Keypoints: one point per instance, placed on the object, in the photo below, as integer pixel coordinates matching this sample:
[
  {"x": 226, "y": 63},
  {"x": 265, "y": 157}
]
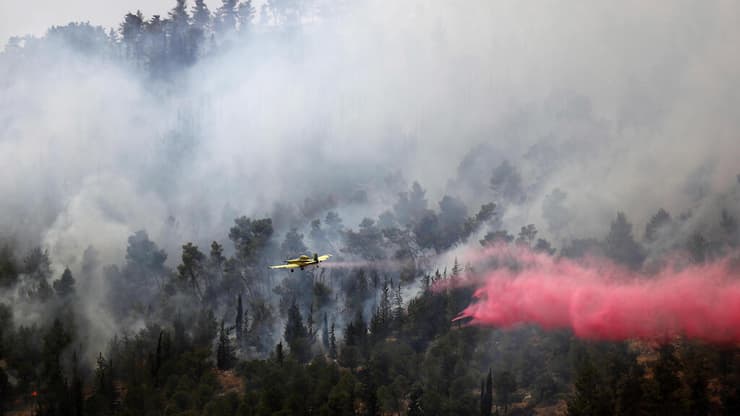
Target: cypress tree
[
  {"x": 239, "y": 324},
  {"x": 325, "y": 333},
  {"x": 224, "y": 351},
  {"x": 332, "y": 343},
  {"x": 489, "y": 394}
]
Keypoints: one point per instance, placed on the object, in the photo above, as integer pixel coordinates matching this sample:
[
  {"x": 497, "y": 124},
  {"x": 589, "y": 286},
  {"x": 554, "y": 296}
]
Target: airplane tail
[{"x": 316, "y": 257}]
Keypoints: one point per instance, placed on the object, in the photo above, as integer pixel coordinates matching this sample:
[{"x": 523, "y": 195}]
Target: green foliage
[
  {"x": 143, "y": 254},
  {"x": 366, "y": 242},
  {"x": 408, "y": 358},
  {"x": 8, "y": 267},
  {"x": 6, "y": 330},
  {"x": 669, "y": 400},
  {"x": 225, "y": 356},
  {"x": 697, "y": 246},
  {"x": 729, "y": 225},
  {"x": 226, "y": 405},
  {"x": 239, "y": 322},
  {"x": 191, "y": 269},
  {"x": 293, "y": 244},
  {"x": 527, "y": 235},
  {"x": 656, "y": 224},
  {"x": 590, "y": 396},
  {"x": 620, "y": 245},
  {"x": 496, "y": 237},
  {"x": 54, "y": 392},
  {"x": 205, "y": 329},
  {"x": 297, "y": 336},
  {"x": 504, "y": 384},
  {"x": 250, "y": 236},
  {"x": 65, "y": 286}
]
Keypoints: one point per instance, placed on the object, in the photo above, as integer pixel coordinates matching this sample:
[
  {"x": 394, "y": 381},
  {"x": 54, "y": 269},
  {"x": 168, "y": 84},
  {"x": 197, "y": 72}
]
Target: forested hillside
[{"x": 153, "y": 172}]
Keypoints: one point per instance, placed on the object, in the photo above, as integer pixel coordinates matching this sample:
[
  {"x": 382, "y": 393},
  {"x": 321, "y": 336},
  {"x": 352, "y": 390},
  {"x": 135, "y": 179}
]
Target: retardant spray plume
[
  {"x": 599, "y": 300},
  {"x": 359, "y": 264}
]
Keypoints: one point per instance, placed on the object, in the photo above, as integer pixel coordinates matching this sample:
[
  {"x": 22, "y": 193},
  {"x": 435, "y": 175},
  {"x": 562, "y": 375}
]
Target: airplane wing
[
  {"x": 286, "y": 266},
  {"x": 325, "y": 257}
]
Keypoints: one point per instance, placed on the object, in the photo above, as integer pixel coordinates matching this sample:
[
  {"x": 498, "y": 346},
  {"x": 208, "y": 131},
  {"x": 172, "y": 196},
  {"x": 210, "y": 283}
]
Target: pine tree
[
  {"x": 191, "y": 268},
  {"x": 526, "y": 235},
  {"x": 177, "y": 28},
  {"x": 656, "y": 223},
  {"x": 246, "y": 15},
  {"x": 620, "y": 244},
  {"x": 293, "y": 243},
  {"x": 215, "y": 265},
  {"x": 202, "y": 21},
  {"x": 65, "y": 286},
  {"x": 132, "y": 31},
  {"x": 226, "y": 17},
  {"x": 38, "y": 267}
]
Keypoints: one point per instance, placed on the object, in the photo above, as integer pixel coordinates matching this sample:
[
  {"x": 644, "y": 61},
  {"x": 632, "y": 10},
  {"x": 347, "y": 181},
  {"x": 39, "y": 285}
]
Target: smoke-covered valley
[{"x": 165, "y": 163}]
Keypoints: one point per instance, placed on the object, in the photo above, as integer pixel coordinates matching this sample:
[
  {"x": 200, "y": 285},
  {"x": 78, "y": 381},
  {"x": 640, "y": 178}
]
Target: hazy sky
[{"x": 19, "y": 17}]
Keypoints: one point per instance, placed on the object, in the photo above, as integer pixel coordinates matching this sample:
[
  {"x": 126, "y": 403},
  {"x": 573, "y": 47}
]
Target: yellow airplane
[{"x": 302, "y": 262}]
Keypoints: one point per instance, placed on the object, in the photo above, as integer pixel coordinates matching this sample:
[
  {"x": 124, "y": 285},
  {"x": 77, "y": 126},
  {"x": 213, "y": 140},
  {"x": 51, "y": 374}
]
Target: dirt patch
[
  {"x": 229, "y": 381},
  {"x": 558, "y": 409}
]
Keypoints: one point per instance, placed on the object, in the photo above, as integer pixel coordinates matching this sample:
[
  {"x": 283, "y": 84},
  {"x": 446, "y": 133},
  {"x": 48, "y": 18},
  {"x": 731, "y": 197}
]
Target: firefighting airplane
[{"x": 302, "y": 262}]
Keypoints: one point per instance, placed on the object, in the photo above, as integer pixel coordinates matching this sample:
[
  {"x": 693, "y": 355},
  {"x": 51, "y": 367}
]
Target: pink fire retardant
[{"x": 599, "y": 300}]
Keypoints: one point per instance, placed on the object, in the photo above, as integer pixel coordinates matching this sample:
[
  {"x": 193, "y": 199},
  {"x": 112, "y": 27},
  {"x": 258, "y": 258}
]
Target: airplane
[{"x": 302, "y": 262}]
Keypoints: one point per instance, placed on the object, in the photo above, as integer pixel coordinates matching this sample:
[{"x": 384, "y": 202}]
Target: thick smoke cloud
[{"x": 621, "y": 106}]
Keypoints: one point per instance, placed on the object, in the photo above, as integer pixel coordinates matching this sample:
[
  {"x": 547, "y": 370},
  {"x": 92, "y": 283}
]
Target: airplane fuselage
[{"x": 302, "y": 261}]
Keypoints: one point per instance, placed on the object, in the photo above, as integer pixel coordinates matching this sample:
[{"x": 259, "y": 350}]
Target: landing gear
[{"x": 291, "y": 270}]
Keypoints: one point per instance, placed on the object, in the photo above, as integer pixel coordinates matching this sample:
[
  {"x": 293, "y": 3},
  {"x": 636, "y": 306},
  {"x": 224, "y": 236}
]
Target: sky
[{"x": 17, "y": 20}]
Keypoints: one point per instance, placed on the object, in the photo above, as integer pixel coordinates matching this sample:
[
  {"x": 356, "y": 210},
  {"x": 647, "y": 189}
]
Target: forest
[{"x": 134, "y": 248}]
